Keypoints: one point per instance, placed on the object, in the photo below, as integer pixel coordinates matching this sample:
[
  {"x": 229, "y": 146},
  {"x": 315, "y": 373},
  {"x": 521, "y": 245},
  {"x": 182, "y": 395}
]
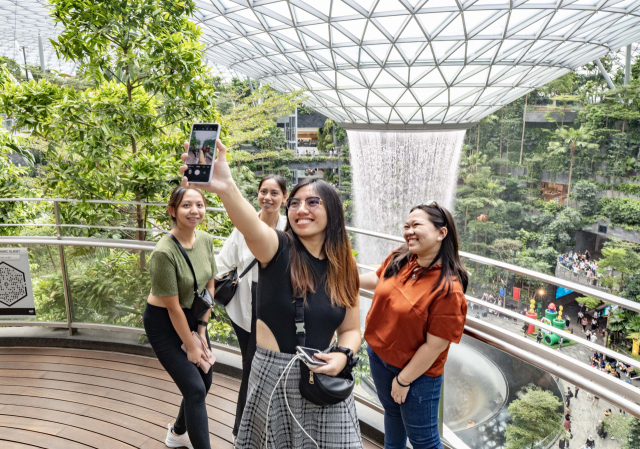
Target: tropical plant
[
  {"x": 568, "y": 139},
  {"x": 535, "y": 417}
]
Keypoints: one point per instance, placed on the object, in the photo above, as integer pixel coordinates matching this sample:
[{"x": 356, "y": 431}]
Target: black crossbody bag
[
  {"x": 202, "y": 301},
  {"x": 227, "y": 284},
  {"x": 322, "y": 389}
]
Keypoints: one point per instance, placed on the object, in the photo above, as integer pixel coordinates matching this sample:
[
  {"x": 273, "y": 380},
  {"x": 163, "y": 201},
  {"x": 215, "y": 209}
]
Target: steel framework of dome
[
  {"x": 413, "y": 63},
  {"x": 397, "y": 63}
]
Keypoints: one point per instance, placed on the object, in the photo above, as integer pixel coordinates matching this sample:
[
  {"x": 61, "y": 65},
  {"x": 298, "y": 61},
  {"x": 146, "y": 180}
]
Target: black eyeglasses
[
  {"x": 312, "y": 203},
  {"x": 432, "y": 203}
]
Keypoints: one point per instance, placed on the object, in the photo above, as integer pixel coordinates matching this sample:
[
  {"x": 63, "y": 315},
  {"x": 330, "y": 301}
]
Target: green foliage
[
  {"x": 590, "y": 302},
  {"x": 272, "y": 139},
  {"x": 619, "y": 427},
  {"x": 621, "y": 211},
  {"x": 585, "y": 193},
  {"x": 535, "y": 416},
  {"x": 629, "y": 189}
]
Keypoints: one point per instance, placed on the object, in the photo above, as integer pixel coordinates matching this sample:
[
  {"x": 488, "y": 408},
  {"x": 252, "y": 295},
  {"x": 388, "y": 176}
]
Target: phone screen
[{"x": 202, "y": 151}]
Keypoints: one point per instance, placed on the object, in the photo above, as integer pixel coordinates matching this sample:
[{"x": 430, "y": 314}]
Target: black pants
[
  {"x": 247, "y": 342},
  {"x": 191, "y": 381}
]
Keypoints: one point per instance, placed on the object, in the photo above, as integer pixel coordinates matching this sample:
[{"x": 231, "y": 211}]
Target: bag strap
[
  {"x": 300, "y": 331},
  {"x": 246, "y": 270},
  {"x": 186, "y": 257}
]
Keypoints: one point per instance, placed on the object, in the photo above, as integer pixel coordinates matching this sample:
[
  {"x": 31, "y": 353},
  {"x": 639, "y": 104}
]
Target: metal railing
[
  {"x": 565, "y": 273},
  {"x": 613, "y": 390}
]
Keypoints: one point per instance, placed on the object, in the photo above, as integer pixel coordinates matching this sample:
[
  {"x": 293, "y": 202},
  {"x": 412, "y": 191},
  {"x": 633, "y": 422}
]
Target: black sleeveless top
[{"x": 276, "y": 306}]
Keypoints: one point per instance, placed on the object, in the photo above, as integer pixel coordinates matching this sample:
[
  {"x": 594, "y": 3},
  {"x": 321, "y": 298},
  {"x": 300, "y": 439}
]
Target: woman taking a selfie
[
  {"x": 272, "y": 192},
  {"x": 418, "y": 309},
  {"x": 169, "y": 320},
  {"x": 308, "y": 290}
]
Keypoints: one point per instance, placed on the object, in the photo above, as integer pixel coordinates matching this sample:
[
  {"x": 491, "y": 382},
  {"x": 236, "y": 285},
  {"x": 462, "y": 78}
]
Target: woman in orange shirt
[{"x": 418, "y": 309}]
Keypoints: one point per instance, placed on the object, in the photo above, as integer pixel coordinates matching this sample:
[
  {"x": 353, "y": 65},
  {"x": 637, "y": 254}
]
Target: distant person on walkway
[
  {"x": 168, "y": 318},
  {"x": 567, "y": 321},
  {"x": 590, "y": 443},
  {"x": 569, "y": 394},
  {"x": 539, "y": 337},
  {"x": 418, "y": 310},
  {"x": 560, "y": 342},
  {"x": 594, "y": 337},
  {"x": 272, "y": 193},
  {"x": 587, "y": 254},
  {"x": 576, "y": 389},
  {"x": 311, "y": 260},
  {"x": 596, "y": 400},
  {"x": 567, "y": 423},
  {"x": 584, "y": 324}
]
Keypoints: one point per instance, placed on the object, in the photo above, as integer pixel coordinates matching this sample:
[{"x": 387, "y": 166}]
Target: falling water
[{"x": 394, "y": 171}]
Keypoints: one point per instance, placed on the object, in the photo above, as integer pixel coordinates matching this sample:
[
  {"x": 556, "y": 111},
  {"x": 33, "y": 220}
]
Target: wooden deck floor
[{"x": 74, "y": 399}]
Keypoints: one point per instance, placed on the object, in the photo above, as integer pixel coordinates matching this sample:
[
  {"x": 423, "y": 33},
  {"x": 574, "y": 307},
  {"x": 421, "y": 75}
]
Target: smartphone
[
  {"x": 307, "y": 354},
  {"x": 202, "y": 152}
]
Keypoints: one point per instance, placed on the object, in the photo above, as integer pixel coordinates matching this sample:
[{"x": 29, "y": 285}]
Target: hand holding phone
[
  {"x": 307, "y": 355},
  {"x": 201, "y": 152}
]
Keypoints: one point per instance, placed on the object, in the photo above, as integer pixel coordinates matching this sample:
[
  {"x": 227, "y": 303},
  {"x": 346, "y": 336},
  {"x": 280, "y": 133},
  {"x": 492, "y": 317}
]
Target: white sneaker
[{"x": 173, "y": 440}]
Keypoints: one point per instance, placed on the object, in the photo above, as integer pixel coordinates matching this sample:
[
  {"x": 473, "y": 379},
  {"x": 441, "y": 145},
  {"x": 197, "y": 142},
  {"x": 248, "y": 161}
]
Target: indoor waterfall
[{"x": 394, "y": 171}]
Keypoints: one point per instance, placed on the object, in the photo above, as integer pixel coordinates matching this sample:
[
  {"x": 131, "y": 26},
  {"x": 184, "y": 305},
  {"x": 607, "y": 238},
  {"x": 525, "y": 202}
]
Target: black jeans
[
  {"x": 192, "y": 382},
  {"x": 247, "y": 342}
]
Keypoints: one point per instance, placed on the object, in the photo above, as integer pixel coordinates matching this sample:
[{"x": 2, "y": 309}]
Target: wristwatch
[{"x": 202, "y": 323}]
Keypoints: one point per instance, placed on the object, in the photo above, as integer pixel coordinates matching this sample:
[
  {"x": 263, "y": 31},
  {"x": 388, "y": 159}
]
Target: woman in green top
[{"x": 168, "y": 319}]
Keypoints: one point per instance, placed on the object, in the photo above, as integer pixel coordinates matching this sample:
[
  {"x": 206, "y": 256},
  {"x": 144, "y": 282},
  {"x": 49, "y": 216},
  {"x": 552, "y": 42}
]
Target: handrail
[{"x": 73, "y": 200}]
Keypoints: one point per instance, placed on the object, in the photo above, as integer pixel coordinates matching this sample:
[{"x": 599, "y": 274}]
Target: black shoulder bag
[
  {"x": 322, "y": 389},
  {"x": 227, "y": 285},
  {"x": 203, "y": 301}
]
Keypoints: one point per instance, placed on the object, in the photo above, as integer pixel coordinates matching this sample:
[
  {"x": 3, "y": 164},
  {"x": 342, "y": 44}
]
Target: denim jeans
[{"x": 417, "y": 417}]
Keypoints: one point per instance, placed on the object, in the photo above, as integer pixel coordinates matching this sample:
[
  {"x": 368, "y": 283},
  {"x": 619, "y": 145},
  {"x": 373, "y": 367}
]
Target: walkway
[{"x": 76, "y": 399}]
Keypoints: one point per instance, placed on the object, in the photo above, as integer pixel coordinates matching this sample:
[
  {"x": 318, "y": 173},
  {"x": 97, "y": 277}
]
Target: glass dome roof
[
  {"x": 377, "y": 63},
  {"x": 413, "y": 63}
]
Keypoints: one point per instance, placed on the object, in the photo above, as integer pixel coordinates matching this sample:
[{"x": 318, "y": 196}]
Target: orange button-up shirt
[{"x": 405, "y": 309}]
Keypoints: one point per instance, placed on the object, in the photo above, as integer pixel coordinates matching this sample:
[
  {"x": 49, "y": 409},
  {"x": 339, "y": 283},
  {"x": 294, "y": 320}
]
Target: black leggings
[
  {"x": 247, "y": 342},
  {"x": 192, "y": 382}
]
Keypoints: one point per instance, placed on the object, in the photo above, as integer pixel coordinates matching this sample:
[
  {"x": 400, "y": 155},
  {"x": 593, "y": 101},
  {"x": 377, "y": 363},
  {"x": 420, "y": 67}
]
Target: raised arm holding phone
[{"x": 310, "y": 261}]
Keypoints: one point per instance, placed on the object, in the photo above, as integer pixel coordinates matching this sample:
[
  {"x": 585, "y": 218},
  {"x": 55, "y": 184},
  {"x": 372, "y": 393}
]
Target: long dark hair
[
  {"x": 452, "y": 268},
  {"x": 282, "y": 183},
  {"x": 176, "y": 198},
  {"x": 342, "y": 281}
]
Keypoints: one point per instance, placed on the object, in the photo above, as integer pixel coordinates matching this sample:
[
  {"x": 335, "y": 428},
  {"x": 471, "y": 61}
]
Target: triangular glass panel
[
  {"x": 395, "y": 118},
  {"x": 450, "y": 72},
  {"x": 474, "y": 18},
  {"x": 370, "y": 74},
  {"x": 338, "y": 38},
  {"x": 373, "y": 34},
  {"x": 391, "y": 24},
  {"x": 347, "y": 101},
  {"x": 395, "y": 57},
  {"x": 379, "y": 51},
  {"x": 391, "y": 94},
  {"x": 401, "y": 72},
  {"x": 432, "y": 21},
  {"x": 340, "y": 8},
  {"x": 494, "y": 30},
  {"x": 455, "y": 111},
  {"x": 385, "y": 79},
  {"x": 344, "y": 82},
  {"x": 361, "y": 113},
  {"x": 355, "y": 27},
  {"x": 412, "y": 30},
  {"x": 375, "y": 100},
  {"x": 424, "y": 93},
  {"x": 440, "y": 100},
  {"x": 440, "y": 48},
  {"x": 455, "y": 29},
  {"x": 478, "y": 78},
  {"x": 315, "y": 84},
  {"x": 311, "y": 42},
  {"x": 458, "y": 93},
  {"x": 324, "y": 54},
  {"x": 417, "y": 73},
  {"x": 340, "y": 61},
  {"x": 321, "y": 30},
  {"x": 330, "y": 95},
  {"x": 457, "y": 56},
  {"x": 352, "y": 53},
  {"x": 562, "y": 31},
  {"x": 289, "y": 33},
  {"x": 530, "y": 31},
  {"x": 440, "y": 4},
  {"x": 381, "y": 112},
  {"x": 365, "y": 58},
  {"x": 281, "y": 8},
  {"x": 407, "y": 99},
  {"x": 360, "y": 94},
  {"x": 410, "y": 50},
  {"x": 426, "y": 56},
  {"x": 407, "y": 112},
  {"x": 429, "y": 113},
  {"x": 433, "y": 78},
  {"x": 272, "y": 22},
  {"x": 323, "y": 7},
  {"x": 389, "y": 5},
  {"x": 562, "y": 16},
  {"x": 303, "y": 16}
]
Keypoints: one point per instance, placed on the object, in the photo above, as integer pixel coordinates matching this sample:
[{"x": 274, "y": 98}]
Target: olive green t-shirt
[{"x": 170, "y": 274}]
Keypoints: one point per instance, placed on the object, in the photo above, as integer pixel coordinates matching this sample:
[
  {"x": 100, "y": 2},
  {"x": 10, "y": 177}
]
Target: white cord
[{"x": 286, "y": 371}]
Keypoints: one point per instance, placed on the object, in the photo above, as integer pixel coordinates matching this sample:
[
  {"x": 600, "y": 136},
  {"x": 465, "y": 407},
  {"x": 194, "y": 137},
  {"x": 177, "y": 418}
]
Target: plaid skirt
[{"x": 332, "y": 427}]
